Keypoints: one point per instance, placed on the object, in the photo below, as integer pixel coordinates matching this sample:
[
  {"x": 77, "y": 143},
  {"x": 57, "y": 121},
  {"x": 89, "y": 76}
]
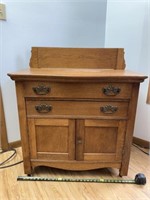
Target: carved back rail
[{"x": 96, "y": 58}]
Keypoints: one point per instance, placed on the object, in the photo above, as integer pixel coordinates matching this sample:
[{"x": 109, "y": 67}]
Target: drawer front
[
  {"x": 77, "y": 109},
  {"x": 77, "y": 90}
]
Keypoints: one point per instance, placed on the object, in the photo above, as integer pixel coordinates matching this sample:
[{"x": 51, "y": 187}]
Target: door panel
[
  {"x": 100, "y": 140},
  {"x": 52, "y": 139},
  {"x": 57, "y": 137},
  {"x": 104, "y": 136}
]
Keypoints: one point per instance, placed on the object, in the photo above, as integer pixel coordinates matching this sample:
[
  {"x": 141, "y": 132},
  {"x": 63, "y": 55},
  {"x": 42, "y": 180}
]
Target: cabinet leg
[
  {"x": 29, "y": 172},
  {"x": 123, "y": 172}
]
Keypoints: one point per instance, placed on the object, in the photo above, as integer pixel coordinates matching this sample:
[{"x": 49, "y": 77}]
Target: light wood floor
[{"x": 11, "y": 189}]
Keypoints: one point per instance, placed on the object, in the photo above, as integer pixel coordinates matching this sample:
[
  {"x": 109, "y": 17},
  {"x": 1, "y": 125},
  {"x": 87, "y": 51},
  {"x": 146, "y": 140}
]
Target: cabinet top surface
[{"x": 76, "y": 74}]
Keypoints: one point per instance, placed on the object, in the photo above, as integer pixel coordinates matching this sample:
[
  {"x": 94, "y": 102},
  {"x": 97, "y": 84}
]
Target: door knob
[{"x": 79, "y": 141}]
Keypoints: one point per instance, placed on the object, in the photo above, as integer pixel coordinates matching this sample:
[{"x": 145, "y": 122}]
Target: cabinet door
[
  {"x": 52, "y": 139},
  {"x": 100, "y": 140}
]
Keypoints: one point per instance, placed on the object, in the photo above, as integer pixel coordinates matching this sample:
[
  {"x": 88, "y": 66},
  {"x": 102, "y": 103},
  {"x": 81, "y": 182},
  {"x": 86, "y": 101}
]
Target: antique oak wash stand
[{"x": 77, "y": 109}]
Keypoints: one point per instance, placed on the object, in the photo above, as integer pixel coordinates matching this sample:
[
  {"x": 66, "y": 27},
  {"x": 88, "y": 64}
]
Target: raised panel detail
[
  {"x": 52, "y": 138},
  {"x": 100, "y": 140}
]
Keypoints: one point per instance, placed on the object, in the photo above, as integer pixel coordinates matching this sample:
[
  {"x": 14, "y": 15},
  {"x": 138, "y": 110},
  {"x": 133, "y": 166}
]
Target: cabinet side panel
[
  {"x": 129, "y": 130},
  {"x": 23, "y": 127}
]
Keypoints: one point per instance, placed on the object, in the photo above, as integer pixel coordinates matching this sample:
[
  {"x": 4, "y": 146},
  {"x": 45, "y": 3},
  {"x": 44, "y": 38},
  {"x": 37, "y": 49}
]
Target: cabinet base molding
[{"x": 75, "y": 165}]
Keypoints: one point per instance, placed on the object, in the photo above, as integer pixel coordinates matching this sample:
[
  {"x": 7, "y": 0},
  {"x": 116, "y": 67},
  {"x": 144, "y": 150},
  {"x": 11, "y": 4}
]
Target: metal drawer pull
[
  {"x": 43, "y": 108},
  {"x": 108, "y": 109},
  {"x": 41, "y": 90},
  {"x": 111, "y": 90}
]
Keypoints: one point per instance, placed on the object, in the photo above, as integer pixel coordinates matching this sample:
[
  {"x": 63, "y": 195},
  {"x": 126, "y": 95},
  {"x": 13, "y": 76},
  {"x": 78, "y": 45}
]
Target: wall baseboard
[
  {"x": 142, "y": 143},
  {"x": 137, "y": 141},
  {"x": 15, "y": 144}
]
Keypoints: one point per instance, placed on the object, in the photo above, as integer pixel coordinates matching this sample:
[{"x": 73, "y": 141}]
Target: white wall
[
  {"x": 44, "y": 23},
  {"x": 128, "y": 26}
]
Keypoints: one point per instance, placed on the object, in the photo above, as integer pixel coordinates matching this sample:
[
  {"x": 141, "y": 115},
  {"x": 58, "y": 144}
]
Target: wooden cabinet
[{"x": 80, "y": 116}]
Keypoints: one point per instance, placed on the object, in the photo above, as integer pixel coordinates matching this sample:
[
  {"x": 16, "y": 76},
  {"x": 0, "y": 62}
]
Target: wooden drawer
[
  {"x": 77, "y": 109},
  {"x": 77, "y": 90}
]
